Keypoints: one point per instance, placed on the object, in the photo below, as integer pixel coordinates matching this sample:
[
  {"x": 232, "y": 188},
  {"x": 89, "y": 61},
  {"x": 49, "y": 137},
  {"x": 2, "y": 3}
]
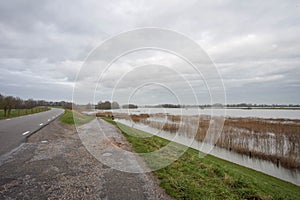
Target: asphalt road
[{"x": 14, "y": 131}]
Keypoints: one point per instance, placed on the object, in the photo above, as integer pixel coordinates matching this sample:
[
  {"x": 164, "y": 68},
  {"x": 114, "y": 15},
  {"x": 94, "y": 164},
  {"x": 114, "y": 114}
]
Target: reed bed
[{"x": 275, "y": 140}]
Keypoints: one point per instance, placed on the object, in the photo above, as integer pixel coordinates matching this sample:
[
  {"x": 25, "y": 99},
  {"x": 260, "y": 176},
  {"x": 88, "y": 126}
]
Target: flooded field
[
  {"x": 270, "y": 145},
  {"x": 256, "y": 113}
]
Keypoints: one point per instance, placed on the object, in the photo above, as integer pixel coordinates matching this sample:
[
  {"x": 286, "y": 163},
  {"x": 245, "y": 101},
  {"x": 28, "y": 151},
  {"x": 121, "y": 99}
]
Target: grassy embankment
[
  {"x": 21, "y": 112},
  {"x": 72, "y": 117},
  {"x": 191, "y": 177}
]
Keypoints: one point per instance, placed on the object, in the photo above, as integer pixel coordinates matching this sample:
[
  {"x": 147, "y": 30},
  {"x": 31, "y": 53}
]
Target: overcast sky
[{"x": 255, "y": 46}]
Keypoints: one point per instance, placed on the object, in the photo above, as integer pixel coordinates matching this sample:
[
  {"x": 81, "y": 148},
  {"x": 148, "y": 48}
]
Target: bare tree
[
  {"x": 2, "y": 102},
  {"x": 9, "y": 104}
]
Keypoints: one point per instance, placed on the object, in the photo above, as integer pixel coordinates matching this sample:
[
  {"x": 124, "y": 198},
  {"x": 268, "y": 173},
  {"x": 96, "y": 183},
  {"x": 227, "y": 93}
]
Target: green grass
[
  {"x": 72, "y": 116},
  {"x": 21, "y": 112},
  {"x": 191, "y": 177}
]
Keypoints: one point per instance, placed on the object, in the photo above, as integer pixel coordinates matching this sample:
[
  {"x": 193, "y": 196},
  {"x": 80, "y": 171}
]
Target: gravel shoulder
[{"x": 53, "y": 164}]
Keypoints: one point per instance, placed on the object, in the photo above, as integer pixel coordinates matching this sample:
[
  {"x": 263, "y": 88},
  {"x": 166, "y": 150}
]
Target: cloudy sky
[{"x": 254, "y": 45}]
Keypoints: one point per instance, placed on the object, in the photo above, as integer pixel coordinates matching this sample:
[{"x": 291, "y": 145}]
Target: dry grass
[
  {"x": 139, "y": 118},
  {"x": 174, "y": 118},
  {"x": 104, "y": 114}
]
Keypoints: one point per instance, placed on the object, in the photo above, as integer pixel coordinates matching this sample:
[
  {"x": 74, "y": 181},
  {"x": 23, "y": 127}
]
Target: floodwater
[
  {"x": 259, "y": 113},
  {"x": 292, "y": 176}
]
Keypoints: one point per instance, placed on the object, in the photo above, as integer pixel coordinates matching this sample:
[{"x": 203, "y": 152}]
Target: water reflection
[{"x": 264, "y": 166}]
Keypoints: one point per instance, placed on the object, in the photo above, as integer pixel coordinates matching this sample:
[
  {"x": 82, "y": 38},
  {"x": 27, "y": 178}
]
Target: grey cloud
[{"x": 253, "y": 43}]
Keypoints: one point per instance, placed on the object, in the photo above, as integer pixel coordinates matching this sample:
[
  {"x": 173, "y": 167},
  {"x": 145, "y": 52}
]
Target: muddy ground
[{"x": 53, "y": 164}]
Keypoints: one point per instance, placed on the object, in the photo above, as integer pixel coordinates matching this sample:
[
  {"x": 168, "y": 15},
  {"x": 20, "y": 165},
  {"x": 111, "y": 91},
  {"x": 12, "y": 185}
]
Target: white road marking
[
  {"x": 25, "y": 133},
  {"x": 7, "y": 119},
  {"x": 41, "y": 124},
  {"x": 48, "y": 120}
]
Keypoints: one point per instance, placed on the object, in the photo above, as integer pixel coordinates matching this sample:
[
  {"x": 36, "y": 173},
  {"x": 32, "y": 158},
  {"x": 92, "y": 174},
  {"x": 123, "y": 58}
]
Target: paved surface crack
[{"x": 62, "y": 168}]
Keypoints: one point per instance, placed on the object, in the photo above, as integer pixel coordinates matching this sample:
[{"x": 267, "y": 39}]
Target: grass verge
[
  {"x": 191, "y": 177},
  {"x": 22, "y": 112},
  {"x": 72, "y": 117}
]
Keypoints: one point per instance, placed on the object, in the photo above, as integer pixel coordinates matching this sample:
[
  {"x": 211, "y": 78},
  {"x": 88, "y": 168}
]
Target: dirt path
[{"x": 54, "y": 164}]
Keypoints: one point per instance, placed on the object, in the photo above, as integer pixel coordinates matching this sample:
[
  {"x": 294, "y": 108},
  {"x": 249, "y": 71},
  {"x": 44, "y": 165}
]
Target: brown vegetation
[
  {"x": 276, "y": 140},
  {"x": 139, "y": 118},
  {"x": 104, "y": 114}
]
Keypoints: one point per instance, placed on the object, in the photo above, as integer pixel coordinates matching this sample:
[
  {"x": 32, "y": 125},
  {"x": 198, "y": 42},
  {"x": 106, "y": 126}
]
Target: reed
[{"x": 275, "y": 140}]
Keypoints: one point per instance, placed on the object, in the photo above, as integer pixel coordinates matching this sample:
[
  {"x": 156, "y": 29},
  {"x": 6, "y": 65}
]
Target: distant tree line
[
  {"x": 106, "y": 105},
  {"x": 219, "y": 105},
  {"x": 129, "y": 106},
  {"x": 261, "y": 105},
  {"x": 166, "y": 106},
  {"x": 7, "y": 103}
]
